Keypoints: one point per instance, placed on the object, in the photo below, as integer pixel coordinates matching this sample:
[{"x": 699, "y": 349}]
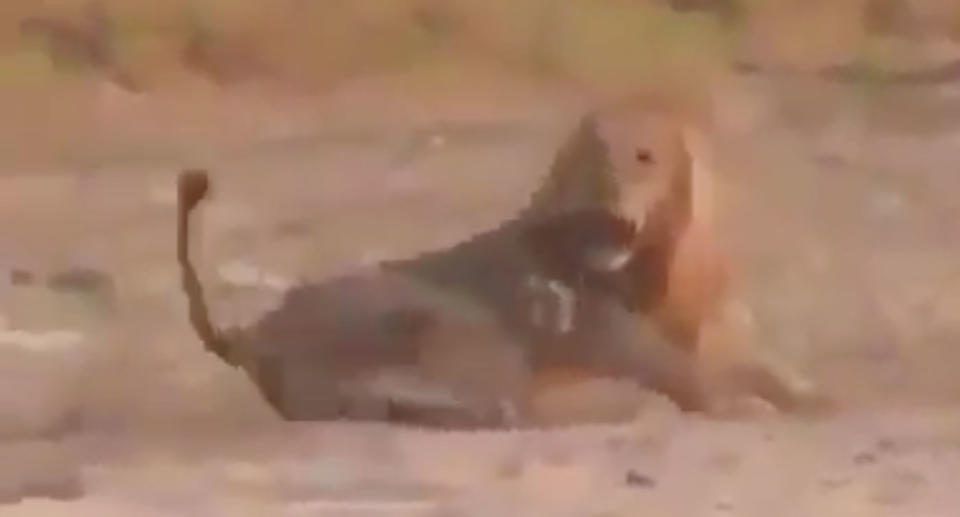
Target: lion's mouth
[
  {"x": 583, "y": 241},
  {"x": 619, "y": 245}
]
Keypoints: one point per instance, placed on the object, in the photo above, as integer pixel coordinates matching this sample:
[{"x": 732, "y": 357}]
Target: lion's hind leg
[{"x": 386, "y": 347}]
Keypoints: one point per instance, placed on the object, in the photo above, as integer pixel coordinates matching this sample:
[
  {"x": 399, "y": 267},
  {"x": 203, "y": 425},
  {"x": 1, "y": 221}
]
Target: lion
[
  {"x": 643, "y": 158},
  {"x": 458, "y": 336}
]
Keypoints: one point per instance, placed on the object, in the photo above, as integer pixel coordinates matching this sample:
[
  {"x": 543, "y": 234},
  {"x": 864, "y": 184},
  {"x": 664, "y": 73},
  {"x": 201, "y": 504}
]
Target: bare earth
[{"x": 842, "y": 212}]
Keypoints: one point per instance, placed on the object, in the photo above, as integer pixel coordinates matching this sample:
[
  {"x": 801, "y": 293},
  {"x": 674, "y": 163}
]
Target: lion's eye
[{"x": 644, "y": 156}]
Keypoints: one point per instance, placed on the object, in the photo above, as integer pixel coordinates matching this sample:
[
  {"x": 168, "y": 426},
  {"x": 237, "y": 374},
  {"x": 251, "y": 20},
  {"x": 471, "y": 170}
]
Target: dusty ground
[{"x": 842, "y": 210}]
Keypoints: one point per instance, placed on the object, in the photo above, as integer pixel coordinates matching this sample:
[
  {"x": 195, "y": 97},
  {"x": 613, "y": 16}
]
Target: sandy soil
[{"x": 841, "y": 211}]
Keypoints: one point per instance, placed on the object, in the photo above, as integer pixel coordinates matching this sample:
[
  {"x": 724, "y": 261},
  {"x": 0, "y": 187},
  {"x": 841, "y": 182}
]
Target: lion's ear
[
  {"x": 588, "y": 125},
  {"x": 582, "y": 155},
  {"x": 584, "y": 143}
]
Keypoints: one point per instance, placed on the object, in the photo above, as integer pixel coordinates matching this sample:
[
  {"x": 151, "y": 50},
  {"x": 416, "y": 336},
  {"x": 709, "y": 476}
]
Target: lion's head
[{"x": 632, "y": 160}]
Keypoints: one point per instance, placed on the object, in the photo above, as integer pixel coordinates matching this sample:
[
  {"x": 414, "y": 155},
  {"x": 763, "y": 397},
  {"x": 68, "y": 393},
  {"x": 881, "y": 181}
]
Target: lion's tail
[{"x": 192, "y": 187}]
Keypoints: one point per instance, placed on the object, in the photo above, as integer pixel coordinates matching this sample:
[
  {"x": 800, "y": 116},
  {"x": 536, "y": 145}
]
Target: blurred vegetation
[{"x": 312, "y": 43}]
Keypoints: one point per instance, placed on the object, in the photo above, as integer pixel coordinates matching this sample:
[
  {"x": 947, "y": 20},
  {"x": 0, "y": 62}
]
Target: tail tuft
[{"x": 193, "y": 186}]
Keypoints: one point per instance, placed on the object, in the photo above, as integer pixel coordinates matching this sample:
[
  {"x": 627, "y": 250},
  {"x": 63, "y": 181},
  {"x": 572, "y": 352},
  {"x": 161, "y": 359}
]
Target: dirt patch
[{"x": 842, "y": 228}]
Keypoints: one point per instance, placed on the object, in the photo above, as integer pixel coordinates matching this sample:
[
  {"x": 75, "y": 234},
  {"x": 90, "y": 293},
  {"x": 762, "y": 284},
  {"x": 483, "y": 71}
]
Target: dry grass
[
  {"x": 313, "y": 43},
  {"x": 309, "y": 45}
]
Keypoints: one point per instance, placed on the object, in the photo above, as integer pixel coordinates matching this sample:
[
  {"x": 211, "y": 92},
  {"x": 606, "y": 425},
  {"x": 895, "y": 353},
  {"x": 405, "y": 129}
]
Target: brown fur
[{"x": 679, "y": 277}]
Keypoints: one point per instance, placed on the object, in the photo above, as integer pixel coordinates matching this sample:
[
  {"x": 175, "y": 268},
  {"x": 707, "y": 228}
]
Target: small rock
[
  {"x": 723, "y": 506},
  {"x": 21, "y": 277},
  {"x": 834, "y": 483},
  {"x": 638, "y": 480},
  {"x": 81, "y": 280},
  {"x": 864, "y": 458},
  {"x": 887, "y": 445}
]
